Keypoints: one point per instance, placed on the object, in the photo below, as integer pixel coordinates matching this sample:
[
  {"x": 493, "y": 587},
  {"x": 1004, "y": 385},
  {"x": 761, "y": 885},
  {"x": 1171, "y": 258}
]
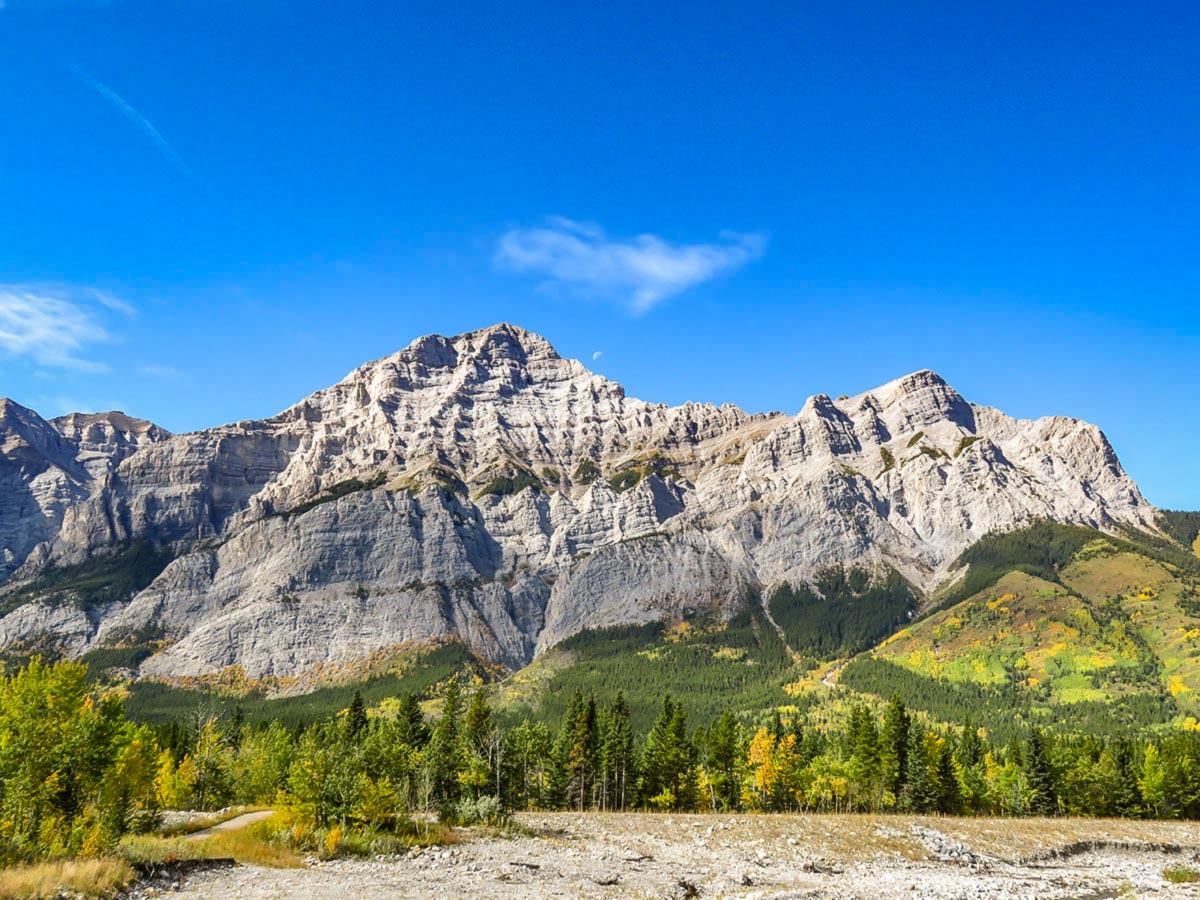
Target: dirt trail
[{"x": 235, "y": 824}]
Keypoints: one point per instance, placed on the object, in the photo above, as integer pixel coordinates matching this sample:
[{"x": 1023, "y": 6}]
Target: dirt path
[
  {"x": 611, "y": 856},
  {"x": 234, "y": 824}
]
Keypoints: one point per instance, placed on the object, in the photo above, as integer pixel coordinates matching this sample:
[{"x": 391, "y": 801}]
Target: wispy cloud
[
  {"x": 153, "y": 370},
  {"x": 641, "y": 271},
  {"x": 143, "y": 124},
  {"x": 54, "y": 325}
]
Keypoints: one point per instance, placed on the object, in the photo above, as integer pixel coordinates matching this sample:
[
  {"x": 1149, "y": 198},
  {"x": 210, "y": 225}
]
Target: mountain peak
[{"x": 918, "y": 400}]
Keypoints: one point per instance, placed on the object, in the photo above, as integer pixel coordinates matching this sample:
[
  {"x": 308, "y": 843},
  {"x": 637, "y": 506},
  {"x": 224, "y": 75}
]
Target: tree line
[{"x": 75, "y": 774}]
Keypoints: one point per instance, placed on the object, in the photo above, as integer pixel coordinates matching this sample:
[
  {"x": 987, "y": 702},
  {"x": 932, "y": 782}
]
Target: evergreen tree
[
  {"x": 356, "y": 716},
  {"x": 1126, "y": 794},
  {"x": 413, "y": 729},
  {"x": 895, "y": 743},
  {"x": 444, "y": 757},
  {"x": 582, "y": 745},
  {"x": 1042, "y": 784},
  {"x": 970, "y": 745},
  {"x": 725, "y": 755},
  {"x": 862, "y": 740},
  {"x": 919, "y": 793},
  {"x": 559, "y": 776},
  {"x": 655, "y": 773},
  {"x": 617, "y": 754},
  {"x": 950, "y": 798},
  {"x": 682, "y": 774}
]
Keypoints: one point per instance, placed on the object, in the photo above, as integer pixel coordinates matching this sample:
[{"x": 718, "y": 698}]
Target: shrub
[
  {"x": 480, "y": 811},
  {"x": 337, "y": 491},
  {"x": 1181, "y": 874},
  {"x": 625, "y": 480},
  {"x": 586, "y": 472},
  {"x": 507, "y": 484}
]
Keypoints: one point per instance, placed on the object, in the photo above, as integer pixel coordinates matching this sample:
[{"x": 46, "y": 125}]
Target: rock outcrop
[
  {"x": 47, "y": 467},
  {"x": 485, "y": 488}
]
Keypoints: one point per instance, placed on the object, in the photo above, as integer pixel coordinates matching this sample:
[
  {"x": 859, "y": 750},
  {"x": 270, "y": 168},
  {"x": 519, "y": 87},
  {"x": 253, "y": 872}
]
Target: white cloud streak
[
  {"x": 143, "y": 124},
  {"x": 641, "y": 272},
  {"x": 155, "y": 370},
  {"x": 53, "y": 326}
]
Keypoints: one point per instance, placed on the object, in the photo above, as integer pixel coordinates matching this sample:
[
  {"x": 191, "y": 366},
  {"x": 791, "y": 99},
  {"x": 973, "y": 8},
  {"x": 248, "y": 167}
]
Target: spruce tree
[
  {"x": 655, "y": 759},
  {"x": 725, "y": 757},
  {"x": 412, "y": 728},
  {"x": 559, "y": 775},
  {"x": 444, "y": 753},
  {"x": 1041, "y": 777},
  {"x": 894, "y": 749},
  {"x": 1126, "y": 794},
  {"x": 356, "y": 716},
  {"x": 919, "y": 793},
  {"x": 582, "y": 745},
  {"x": 682, "y": 773},
  {"x": 950, "y": 799},
  {"x": 617, "y": 754},
  {"x": 970, "y": 745}
]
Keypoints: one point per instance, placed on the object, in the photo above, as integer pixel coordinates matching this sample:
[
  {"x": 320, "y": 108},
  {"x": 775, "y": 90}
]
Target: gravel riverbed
[{"x": 829, "y": 857}]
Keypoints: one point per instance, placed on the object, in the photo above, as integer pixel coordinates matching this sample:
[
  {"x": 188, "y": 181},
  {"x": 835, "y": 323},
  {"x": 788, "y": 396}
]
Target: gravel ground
[{"x": 832, "y": 858}]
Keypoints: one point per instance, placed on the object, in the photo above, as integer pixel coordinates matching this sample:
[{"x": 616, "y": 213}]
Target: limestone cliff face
[
  {"x": 47, "y": 467},
  {"x": 483, "y": 487}
]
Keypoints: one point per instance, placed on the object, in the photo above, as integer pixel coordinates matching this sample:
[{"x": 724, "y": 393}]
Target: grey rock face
[
  {"x": 484, "y": 487},
  {"x": 47, "y": 467}
]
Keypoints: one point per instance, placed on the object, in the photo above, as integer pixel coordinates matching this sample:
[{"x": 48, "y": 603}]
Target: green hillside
[
  {"x": 708, "y": 667},
  {"x": 1094, "y": 635}
]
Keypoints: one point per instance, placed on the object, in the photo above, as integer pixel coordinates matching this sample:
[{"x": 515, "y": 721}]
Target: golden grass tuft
[{"x": 85, "y": 877}]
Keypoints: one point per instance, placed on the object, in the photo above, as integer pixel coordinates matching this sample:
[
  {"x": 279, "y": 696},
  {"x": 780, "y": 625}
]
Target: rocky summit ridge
[{"x": 484, "y": 488}]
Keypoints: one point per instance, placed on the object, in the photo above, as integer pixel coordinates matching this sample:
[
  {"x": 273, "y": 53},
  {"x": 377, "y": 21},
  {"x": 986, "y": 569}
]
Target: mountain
[
  {"x": 482, "y": 488},
  {"x": 48, "y": 466}
]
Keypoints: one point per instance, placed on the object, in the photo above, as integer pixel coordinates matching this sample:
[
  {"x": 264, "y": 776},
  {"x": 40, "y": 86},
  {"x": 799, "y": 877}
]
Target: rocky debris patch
[
  {"x": 622, "y": 857},
  {"x": 171, "y": 877},
  {"x": 943, "y": 848}
]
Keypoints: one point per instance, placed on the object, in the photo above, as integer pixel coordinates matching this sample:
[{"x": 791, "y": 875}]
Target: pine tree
[
  {"x": 356, "y": 716},
  {"x": 862, "y": 740},
  {"x": 617, "y": 754},
  {"x": 444, "y": 753},
  {"x": 1042, "y": 785},
  {"x": 919, "y": 793},
  {"x": 559, "y": 776},
  {"x": 725, "y": 756},
  {"x": 656, "y": 758},
  {"x": 1126, "y": 794},
  {"x": 581, "y": 755},
  {"x": 950, "y": 799},
  {"x": 895, "y": 742},
  {"x": 413, "y": 729}
]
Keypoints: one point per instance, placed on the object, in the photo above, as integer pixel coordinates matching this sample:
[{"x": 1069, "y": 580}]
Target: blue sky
[{"x": 210, "y": 209}]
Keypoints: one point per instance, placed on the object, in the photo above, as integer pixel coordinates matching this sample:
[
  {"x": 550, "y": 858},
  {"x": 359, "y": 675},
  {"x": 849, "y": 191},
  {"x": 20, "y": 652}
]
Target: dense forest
[{"x": 76, "y": 774}]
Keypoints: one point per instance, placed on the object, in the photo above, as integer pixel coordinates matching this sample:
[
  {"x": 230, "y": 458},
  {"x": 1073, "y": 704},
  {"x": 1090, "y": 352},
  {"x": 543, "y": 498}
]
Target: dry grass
[
  {"x": 85, "y": 877},
  {"x": 251, "y": 846}
]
